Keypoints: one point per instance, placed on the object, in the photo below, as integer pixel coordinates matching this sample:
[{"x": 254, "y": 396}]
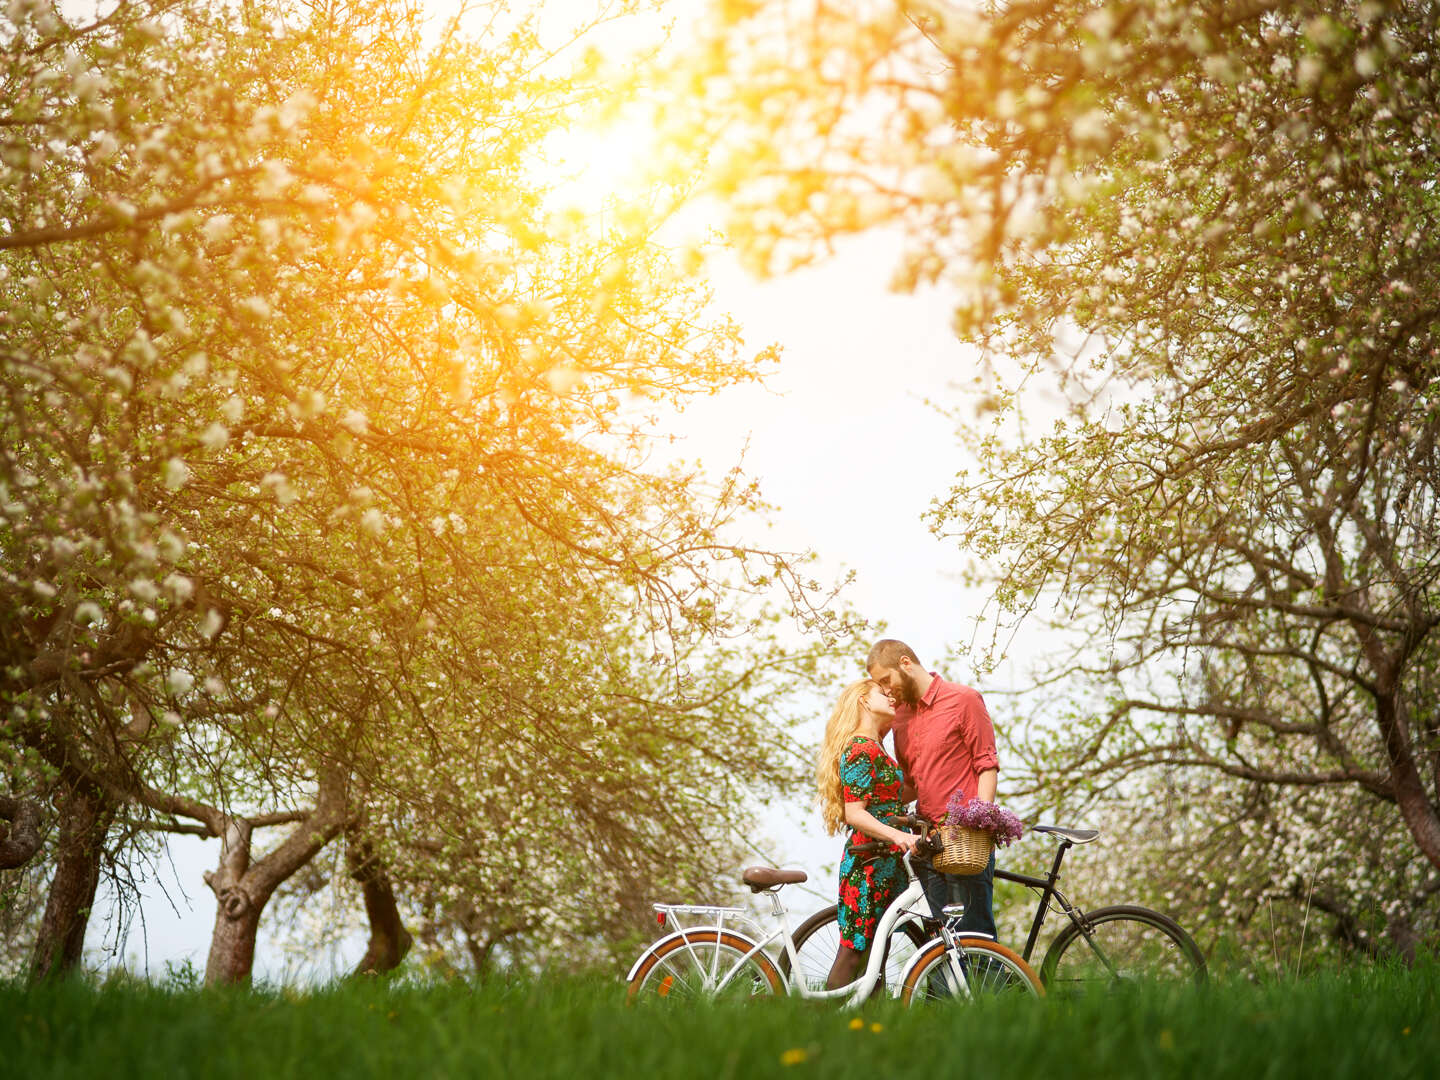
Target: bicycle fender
[
  {"x": 905, "y": 975},
  {"x": 924, "y": 952},
  {"x": 635, "y": 967}
]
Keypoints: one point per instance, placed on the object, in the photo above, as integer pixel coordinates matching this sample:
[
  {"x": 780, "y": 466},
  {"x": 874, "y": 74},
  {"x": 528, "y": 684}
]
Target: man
[{"x": 944, "y": 741}]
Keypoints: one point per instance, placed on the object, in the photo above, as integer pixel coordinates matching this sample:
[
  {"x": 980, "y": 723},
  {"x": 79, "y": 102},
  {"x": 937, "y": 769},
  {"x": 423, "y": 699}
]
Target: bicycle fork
[{"x": 957, "y": 963}]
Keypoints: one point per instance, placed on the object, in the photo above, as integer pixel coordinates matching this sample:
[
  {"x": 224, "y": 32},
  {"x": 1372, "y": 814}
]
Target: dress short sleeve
[{"x": 857, "y": 771}]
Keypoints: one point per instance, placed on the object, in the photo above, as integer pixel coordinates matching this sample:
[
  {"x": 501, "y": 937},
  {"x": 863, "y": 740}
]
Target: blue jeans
[{"x": 975, "y": 891}]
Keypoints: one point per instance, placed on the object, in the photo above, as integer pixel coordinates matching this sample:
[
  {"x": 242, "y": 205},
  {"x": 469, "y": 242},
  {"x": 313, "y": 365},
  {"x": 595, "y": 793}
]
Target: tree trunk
[
  {"x": 389, "y": 940},
  {"x": 232, "y": 944},
  {"x": 19, "y": 842},
  {"x": 1416, "y": 809},
  {"x": 242, "y": 890},
  {"x": 1404, "y": 939},
  {"x": 237, "y": 912},
  {"x": 84, "y": 821}
]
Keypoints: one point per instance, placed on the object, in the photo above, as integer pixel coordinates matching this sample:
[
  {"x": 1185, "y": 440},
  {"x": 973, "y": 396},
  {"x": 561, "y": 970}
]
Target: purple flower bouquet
[{"x": 1005, "y": 828}]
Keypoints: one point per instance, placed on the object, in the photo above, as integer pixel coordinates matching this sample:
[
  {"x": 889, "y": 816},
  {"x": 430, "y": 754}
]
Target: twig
[
  {"x": 1274, "y": 945},
  {"x": 1306, "y": 923}
]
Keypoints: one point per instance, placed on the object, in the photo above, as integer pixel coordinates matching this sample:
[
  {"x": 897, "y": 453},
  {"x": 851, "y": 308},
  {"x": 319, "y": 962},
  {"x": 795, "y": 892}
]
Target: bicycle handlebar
[
  {"x": 875, "y": 847},
  {"x": 924, "y": 847}
]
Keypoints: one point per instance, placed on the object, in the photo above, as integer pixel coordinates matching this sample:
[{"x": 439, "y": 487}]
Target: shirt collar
[{"x": 928, "y": 698}]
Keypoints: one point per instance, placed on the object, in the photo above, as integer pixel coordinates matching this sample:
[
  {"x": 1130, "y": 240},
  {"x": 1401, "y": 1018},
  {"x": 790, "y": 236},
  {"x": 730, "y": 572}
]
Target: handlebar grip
[
  {"x": 872, "y": 848},
  {"x": 927, "y": 846}
]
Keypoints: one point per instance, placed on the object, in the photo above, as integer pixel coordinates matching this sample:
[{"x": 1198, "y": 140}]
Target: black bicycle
[{"x": 1095, "y": 949}]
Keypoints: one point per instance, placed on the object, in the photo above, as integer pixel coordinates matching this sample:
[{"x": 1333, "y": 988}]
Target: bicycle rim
[
  {"x": 693, "y": 967},
  {"x": 1126, "y": 945},
  {"x": 817, "y": 940},
  {"x": 987, "y": 970}
]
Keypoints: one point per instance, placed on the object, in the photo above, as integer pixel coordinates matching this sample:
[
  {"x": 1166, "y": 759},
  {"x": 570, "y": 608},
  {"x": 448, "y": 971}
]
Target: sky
[{"x": 845, "y": 445}]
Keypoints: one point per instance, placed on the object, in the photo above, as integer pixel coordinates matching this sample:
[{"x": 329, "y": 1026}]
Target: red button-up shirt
[{"x": 944, "y": 743}]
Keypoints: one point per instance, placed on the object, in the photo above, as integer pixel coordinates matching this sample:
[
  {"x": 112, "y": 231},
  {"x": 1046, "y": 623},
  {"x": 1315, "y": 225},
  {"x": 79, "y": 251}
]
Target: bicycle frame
[
  {"x": 910, "y": 903},
  {"x": 1050, "y": 896},
  {"x": 1049, "y": 893}
]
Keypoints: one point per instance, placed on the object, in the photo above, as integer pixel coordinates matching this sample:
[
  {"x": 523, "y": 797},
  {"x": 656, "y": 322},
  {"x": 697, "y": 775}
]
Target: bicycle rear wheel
[
  {"x": 986, "y": 969},
  {"x": 818, "y": 938},
  {"x": 1126, "y": 944},
  {"x": 704, "y": 964}
]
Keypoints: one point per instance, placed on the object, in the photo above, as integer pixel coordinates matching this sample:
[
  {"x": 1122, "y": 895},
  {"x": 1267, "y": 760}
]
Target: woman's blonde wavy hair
[{"x": 844, "y": 722}]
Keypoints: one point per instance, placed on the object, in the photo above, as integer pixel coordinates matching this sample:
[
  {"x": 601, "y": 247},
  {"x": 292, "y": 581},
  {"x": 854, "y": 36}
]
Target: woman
[{"x": 859, "y": 786}]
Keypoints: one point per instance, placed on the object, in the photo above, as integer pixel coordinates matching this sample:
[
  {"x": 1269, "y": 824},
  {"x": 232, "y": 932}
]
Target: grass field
[{"x": 1379, "y": 1024}]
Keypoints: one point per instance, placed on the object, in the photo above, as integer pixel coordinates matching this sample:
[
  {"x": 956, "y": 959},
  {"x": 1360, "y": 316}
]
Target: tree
[
  {"x": 1205, "y": 228},
  {"x": 316, "y": 443}
]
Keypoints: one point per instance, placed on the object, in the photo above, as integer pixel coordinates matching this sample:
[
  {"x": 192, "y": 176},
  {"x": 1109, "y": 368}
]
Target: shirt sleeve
[
  {"x": 857, "y": 773},
  {"x": 982, "y": 735}
]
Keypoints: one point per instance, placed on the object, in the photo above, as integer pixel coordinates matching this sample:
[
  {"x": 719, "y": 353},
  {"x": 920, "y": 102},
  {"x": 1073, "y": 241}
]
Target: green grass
[{"x": 1378, "y": 1024}]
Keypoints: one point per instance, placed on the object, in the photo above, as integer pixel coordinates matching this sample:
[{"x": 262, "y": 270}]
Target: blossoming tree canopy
[{"x": 316, "y": 465}]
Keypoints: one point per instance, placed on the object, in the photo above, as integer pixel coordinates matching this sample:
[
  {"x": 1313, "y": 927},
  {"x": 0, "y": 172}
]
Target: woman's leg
[{"x": 846, "y": 969}]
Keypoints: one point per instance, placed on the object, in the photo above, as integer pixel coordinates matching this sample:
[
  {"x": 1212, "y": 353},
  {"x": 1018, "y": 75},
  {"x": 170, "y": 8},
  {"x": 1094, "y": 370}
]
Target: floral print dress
[{"x": 870, "y": 776}]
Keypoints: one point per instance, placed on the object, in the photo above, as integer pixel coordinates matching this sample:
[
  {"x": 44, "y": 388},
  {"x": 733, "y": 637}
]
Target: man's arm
[{"x": 985, "y": 784}]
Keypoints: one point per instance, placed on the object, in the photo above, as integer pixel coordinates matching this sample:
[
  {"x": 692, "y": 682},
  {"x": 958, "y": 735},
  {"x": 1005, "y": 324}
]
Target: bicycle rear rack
[{"x": 671, "y": 916}]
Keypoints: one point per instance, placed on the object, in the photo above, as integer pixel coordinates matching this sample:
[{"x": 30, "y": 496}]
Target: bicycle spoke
[
  {"x": 1124, "y": 946},
  {"x": 818, "y": 940},
  {"x": 705, "y": 964},
  {"x": 977, "y": 970},
  {"x": 676, "y": 974}
]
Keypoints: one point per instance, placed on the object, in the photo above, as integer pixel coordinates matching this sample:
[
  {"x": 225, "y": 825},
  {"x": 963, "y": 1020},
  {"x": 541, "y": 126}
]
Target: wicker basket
[{"x": 964, "y": 851}]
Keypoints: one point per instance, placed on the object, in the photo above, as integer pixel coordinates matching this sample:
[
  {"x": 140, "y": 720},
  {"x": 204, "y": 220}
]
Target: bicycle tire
[
  {"x": 1139, "y": 944},
  {"x": 685, "y": 968},
  {"x": 818, "y": 937},
  {"x": 991, "y": 970}
]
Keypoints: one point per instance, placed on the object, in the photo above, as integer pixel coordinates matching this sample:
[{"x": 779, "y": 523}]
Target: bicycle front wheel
[
  {"x": 705, "y": 964},
  {"x": 817, "y": 940},
  {"x": 975, "y": 968},
  {"x": 1124, "y": 944}
]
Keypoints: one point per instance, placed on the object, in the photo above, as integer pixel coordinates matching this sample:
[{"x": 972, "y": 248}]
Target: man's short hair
[{"x": 887, "y": 652}]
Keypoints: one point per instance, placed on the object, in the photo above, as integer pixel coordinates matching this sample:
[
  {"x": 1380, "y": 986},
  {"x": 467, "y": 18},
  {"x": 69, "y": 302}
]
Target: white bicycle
[{"x": 723, "y": 954}]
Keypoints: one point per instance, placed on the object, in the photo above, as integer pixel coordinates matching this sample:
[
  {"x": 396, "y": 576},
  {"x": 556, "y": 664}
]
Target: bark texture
[
  {"x": 389, "y": 940},
  {"x": 242, "y": 888},
  {"x": 84, "y": 820},
  {"x": 21, "y": 840}
]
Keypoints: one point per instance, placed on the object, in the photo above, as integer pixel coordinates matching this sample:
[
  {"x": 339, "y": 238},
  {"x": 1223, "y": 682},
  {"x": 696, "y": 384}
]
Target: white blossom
[
  {"x": 218, "y": 227},
  {"x": 356, "y": 422},
  {"x": 169, "y": 546},
  {"x": 372, "y": 521},
  {"x": 280, "y": 486},
  {"x": 256, "y": 306},
  {"x": 143, "y": 589},
  {"x": 180, "y": 587},
  {"x": 296, "y": 108},
  {"x": 215, "y": 436}
]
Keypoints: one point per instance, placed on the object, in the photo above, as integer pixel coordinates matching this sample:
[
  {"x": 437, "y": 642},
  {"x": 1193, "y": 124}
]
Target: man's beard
[{"x": 909, "y": 690}]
